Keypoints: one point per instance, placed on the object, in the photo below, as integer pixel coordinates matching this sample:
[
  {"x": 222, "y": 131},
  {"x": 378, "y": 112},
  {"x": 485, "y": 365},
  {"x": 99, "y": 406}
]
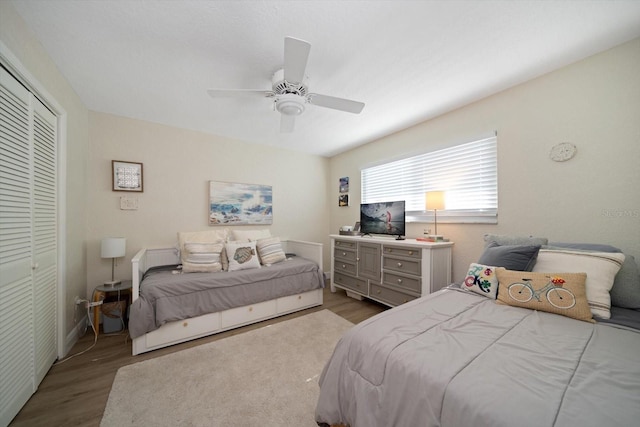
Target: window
[{"x": 467, "y": 173}]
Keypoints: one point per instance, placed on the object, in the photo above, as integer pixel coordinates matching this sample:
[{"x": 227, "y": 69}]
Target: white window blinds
[{"x": 467, "y": 173}]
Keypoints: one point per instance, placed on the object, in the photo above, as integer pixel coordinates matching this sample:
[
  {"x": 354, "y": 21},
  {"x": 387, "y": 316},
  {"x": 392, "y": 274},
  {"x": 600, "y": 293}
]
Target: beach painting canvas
[{"x": 239, "y": 204}]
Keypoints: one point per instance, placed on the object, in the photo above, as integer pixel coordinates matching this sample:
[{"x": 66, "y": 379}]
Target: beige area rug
[{"x": 267, "y": 376}]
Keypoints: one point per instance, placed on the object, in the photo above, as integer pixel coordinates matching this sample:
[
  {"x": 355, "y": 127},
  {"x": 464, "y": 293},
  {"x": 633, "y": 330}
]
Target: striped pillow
[
  {"x": 270, "y": 250},
  {"x": 601, "y": 269},
  {"x": 202, "y": 257}
]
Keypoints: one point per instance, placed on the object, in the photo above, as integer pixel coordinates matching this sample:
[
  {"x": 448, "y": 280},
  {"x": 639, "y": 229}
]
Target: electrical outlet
[{"x": 78, "y": 300}]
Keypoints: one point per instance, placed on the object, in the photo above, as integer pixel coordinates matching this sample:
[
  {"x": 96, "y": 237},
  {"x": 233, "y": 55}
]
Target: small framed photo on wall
[
  {"x": 126, "y": 176},
  {"x": 343, "y": 200}
]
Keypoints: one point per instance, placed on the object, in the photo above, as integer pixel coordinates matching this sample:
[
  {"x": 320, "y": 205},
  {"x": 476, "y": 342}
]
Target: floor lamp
[
  {"x": 113, "y": 247},
  {"x": 434, "y": 201}
]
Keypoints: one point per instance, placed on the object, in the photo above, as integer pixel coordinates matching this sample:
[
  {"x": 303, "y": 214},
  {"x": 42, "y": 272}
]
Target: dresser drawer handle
[
  {"x": 399, "y": 280},
  {"x": 399, "y": 265},
  {"x": 379, "y": 292},
  {"x": 410, "y": 252},
  {"x": 344, "y": 266},
  {"x": 344, "y": 254}
]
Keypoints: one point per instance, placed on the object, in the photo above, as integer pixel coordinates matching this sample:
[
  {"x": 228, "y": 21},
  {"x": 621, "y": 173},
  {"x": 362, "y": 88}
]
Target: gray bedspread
[
  {"x": 454, "y": 359},
  {"x": 165, "y": 296}
]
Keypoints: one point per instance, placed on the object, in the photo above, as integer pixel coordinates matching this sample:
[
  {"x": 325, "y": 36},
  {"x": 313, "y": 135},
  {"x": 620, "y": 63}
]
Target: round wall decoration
[{"x": 562, "y": 152}]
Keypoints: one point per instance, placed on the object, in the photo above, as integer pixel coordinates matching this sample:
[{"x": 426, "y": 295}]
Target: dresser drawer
[
  {"x": 344, "y": 244},
  {"x": 345, "y": 267},
  {"x": 390, "y": 296},
  {"x": 354, "y": 283},
  {"x": 344, "y": 254},
  {"x": 403, "y": 252},
  {"x": 407, "y": 266},
  {"x": 411, "y": 283}
]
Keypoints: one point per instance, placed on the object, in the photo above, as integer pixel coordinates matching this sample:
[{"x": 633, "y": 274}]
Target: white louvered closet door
[{"x": 28, "y": 244}]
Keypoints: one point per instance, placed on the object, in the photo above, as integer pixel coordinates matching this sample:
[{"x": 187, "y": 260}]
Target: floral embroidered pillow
[{"x": 482, "y": 279}]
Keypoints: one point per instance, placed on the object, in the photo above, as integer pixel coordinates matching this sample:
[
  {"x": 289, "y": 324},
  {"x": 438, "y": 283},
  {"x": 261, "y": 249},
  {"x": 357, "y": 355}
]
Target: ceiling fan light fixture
[{"x": 290, "y": 104}]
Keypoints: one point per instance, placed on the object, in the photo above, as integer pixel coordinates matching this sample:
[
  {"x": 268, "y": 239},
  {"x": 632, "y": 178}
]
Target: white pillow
[
  {"x": 242, "y": 256},
  {"x": 202, "y": 257},
  {"x": 250, "y": 235},
  {"x": 207, "y": 237},
  {"x": 482, "y": 279},
  {"x": 270, "y": 250},
  {"x": 601, "y": 269}
]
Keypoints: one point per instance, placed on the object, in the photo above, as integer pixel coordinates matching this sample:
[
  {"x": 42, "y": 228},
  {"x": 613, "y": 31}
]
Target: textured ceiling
[{"x": 408, "y": 61}]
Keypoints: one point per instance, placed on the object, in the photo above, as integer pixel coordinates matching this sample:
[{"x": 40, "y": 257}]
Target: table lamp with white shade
[
  {"x": 113, "y": 247},
  {"x": 434, "y": 201}
]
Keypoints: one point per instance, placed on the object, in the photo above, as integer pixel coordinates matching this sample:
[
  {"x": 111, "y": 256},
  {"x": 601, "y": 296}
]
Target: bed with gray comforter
[
  {"x": 167, "y": 295},
  {"x": 455, "y": 358}
]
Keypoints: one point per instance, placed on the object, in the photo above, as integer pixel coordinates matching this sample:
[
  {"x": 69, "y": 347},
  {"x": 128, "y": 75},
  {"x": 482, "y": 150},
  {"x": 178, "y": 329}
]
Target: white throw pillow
[
  {"x": 206, "y": 237},
  {"x": 250, "y": 235},
  {"x": 202, "y": 257},
  {"x": 482, "y": 279},
  {"x": 270, "y": 250},
  {"x": 242, "y": 256},
  {"x": 601, "y": 269}
]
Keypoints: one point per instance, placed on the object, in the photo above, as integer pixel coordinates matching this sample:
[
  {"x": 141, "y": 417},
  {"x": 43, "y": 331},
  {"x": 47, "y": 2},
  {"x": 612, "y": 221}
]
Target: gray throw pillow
[
  {"x": 626, "y": 286},
  {"x": 504, "y": 240},
  {"x": 595, "y": 247},
  {"x": 511, "y": 257}
]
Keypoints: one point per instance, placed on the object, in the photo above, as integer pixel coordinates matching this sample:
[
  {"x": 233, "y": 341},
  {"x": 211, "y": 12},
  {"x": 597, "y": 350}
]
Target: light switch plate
[{"x": 128, "y": 203}]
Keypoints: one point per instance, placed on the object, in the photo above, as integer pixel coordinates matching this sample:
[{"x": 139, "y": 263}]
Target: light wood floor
[{"x": 75, "y": 393}]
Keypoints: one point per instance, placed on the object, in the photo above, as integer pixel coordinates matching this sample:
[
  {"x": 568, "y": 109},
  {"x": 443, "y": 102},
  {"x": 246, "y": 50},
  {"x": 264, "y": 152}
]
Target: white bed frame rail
[{"x": 213, "y": 323}]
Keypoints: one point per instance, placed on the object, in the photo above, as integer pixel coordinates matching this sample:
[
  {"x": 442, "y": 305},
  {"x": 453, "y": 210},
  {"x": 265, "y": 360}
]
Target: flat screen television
[{"x": 383, "y": 218}]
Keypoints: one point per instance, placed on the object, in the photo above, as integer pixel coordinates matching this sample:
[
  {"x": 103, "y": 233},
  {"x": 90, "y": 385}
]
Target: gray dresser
[{"x": 389, "y": 271}]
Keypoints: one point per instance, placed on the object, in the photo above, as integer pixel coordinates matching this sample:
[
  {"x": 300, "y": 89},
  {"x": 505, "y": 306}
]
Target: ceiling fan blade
[
  {"x": 287, "y": 123},
  {"x": 336, "y": 103},
  {"x": 239, "y": 93},
  {"x": 296, "y": 54}
]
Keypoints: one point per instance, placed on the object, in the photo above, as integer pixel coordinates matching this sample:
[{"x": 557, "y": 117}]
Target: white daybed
[{"x": 207, "y": 324}]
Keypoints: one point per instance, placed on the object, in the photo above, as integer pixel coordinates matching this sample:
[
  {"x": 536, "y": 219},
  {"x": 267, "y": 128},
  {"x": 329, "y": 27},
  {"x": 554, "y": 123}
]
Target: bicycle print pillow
[
  {"x": 559, "y": 293},
  {"x": 482, "y": 279}
]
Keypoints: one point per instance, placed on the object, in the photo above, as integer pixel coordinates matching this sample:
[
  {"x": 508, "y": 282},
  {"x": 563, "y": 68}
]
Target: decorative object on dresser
[
  {"x": 126, "y": 176},
  {"x": 113, "y": 247},
  {"x": 434, "y": 201},
  {"x": 389, "y": 271}
]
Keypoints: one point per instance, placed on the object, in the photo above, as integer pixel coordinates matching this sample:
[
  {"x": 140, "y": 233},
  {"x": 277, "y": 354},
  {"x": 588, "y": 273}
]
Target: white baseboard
[{"x": 74, "y": 335}]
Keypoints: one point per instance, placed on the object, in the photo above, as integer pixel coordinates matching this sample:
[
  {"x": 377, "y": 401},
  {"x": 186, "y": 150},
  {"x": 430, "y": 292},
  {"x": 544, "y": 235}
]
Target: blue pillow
[{"x": 511, "y": 257}]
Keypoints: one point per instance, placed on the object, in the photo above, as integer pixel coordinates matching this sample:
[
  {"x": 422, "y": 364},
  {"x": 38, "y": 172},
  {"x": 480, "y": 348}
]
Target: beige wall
[
  {"x": 178, "y": 165},
  {"x": 595, "y": 197},
  {"x": 17, "y": 37}
]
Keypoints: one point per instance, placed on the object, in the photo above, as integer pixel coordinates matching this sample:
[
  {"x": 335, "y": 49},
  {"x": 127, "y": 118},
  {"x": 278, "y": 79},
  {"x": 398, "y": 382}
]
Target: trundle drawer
[
  {"x": 393, "y": 280},
  {"x": 389, "y": 295},
  {"x": 407, "y": 266},
  {"x": 248, "y": 313},
  {"x": 358, "y": 285},
  {"x": 180, "y": 329},
  {"x": 294, "y": 302}
]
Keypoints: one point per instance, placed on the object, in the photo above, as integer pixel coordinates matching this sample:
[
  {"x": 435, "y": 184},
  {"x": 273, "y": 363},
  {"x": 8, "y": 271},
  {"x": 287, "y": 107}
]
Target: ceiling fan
[{"x": 289, "y": 89}]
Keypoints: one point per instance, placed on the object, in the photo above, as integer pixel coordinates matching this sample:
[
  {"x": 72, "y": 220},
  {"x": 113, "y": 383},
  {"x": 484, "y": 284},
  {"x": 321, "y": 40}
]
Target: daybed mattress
[
  {"x": 458, "y": 359},
  {"x": 166, "y": 296}
]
